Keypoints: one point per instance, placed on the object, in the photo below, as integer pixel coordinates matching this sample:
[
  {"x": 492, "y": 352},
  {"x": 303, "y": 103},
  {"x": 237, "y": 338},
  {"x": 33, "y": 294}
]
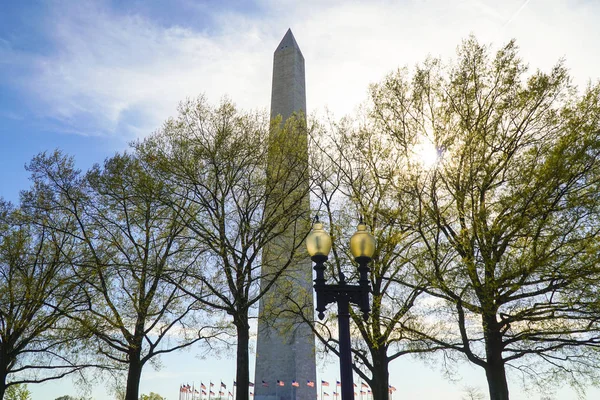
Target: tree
[
  {"x": 128, "y": 242},
  {"x": 152, "y": 396},
  {"x": 508, "y": 218},
  {"x": 354, "y": 172},
  {"x": 37, "y": 342},
  {"x": 226, "y": 167},
  {"x": 17, "y": 392},
  {"x": 473, "y": 393}
]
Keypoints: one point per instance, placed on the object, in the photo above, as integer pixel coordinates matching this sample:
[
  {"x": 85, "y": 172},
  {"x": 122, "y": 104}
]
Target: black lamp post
[{"x": 362, "y": 246}]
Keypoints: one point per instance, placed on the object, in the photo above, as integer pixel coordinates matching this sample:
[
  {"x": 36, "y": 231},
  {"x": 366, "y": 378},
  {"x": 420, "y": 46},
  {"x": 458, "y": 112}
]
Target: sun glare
[{"x": 426, "y": 154}]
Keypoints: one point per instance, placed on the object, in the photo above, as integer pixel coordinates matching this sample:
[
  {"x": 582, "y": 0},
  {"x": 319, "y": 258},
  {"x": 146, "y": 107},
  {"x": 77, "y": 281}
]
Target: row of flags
[
  {"x": 309, "y": 383},
  {"x": 186, "y": 390},
  {"x": 211, "y": 385},
  {"x": 207, "y": 391},
  {"x": 391, "y": 390},
  {"x": 282, "y": 383},
  {"x": 338, "y": 384},
  {"x": 204, "y": 392}
]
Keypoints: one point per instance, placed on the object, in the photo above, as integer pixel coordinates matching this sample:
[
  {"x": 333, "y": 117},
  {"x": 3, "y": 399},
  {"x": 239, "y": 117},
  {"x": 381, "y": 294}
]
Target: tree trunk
[
  {"x": 496, "y": 377},
  {"x": 380, "y": 373},
  {"x": 3, "y": 371},
  {"x": 2, "y": 384},
  {"x": 242, "y": 373},
  {"x": 495, "y": 370},
  {"x": 134, "y": 373}
]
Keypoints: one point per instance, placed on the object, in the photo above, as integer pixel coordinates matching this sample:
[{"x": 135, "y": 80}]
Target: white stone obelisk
[{"x": 284, "y": 351}]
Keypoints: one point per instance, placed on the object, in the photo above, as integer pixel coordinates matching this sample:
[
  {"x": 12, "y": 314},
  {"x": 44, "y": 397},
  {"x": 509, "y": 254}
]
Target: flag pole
[{"x": 321, "y": 389}]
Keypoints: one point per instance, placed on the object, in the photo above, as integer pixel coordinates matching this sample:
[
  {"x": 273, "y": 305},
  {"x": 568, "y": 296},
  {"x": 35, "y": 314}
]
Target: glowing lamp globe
[
  {"x": 362, "y": 243},
  {"x": 318, "y": 242}
]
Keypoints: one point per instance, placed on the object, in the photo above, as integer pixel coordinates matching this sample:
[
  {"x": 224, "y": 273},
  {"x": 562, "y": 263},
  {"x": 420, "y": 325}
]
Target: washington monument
[{"x": 285, "y": 350}]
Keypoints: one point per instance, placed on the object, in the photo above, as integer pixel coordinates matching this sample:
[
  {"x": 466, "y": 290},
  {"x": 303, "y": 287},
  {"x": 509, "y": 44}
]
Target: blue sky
[{"x": 89, "y": 76}]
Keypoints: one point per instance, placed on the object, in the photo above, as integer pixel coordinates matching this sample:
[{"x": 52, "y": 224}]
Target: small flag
[
  {"x": 230, "y": 394},
  {"x": 211, "y": 384},
  {"x": 181, "y": 389},
  {"x": 325, "y": 394},
  {"x": 221, "y": 393},
  {"x": 391, "y": 389},
  {"x": 355, "y": 385},
  {"x": 324, "y": 383},
  {"x": 369, "y": 391},
  {"x": 280, "y": 383},
  {"x": 204, "y": 393},
  {"x": 336, "y": 394},
  {"x": 295, "y": 384},
  {"x": 362, "y": 392},
  {"x": 338, "y": 383},
  {"x": 202, "y": 385},
  {"x": 211, "y": 393},
  {"x": 364, "y": 385},
  {"x": 310, "y": 383},
  {"x": 265, "y": 384},
  {"x": 223, "y": 385},
  {"x": 234, "y": 383},
  {"x": 251, "y": 394},
  {"x": 355, "y": 394},
  {"x": 250, "y": 384}
]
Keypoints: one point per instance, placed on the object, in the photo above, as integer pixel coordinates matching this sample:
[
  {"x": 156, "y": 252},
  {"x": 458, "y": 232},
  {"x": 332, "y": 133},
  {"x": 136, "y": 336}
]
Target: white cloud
[
  {"x": 117, "y": 74},
  {"x": 122, "y": 72}
]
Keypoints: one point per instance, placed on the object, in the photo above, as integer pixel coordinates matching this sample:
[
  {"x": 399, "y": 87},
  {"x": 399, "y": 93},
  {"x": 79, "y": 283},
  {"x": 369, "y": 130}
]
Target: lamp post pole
[
  {"x": 345, "y": 349},
  {"x": 362, "y": 245}
]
